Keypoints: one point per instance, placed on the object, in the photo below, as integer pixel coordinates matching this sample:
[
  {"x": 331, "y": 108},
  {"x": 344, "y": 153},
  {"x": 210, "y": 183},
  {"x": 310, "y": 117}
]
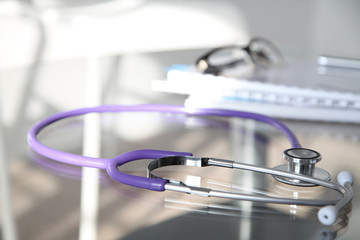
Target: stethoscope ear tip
[
  {"x": 328, "y": 215},
  {"x": 345, "y": 177}
]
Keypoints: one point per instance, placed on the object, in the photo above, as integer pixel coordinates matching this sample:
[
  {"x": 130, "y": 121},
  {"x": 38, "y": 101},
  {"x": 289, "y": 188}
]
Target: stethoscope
[{"x": 299, "y": 171}]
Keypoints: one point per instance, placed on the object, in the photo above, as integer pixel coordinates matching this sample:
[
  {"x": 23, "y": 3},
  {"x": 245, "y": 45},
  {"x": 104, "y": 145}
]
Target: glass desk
[
  {"x": 45, "y": 196},
  {"x": 44, "y": 199}
]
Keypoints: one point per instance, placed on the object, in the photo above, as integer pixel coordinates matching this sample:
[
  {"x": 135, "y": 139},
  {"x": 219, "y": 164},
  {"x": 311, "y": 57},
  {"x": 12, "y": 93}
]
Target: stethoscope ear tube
[
  {"x": 345, "y": 177},
  {"x": 327, "y": 215}
]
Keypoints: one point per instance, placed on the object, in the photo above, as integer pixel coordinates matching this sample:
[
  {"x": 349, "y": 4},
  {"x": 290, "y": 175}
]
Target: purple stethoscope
[{"x": 300, "y": 169}]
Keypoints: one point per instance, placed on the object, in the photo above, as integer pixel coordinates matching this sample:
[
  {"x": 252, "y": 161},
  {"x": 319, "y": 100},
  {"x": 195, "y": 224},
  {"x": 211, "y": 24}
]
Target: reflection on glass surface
[
  {"x": 247, "y": 145},
  {"x": 89, "y": 206},
  {"x": 7, "y": 208}
]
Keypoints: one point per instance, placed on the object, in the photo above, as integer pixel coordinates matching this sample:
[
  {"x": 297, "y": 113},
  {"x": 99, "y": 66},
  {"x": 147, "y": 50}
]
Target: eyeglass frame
[{"x": 209, "y": 68}]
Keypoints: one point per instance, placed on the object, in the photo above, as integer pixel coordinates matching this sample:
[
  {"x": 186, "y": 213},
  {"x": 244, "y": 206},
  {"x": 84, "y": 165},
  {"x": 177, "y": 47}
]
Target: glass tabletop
[{"x": 47, "y": 198}]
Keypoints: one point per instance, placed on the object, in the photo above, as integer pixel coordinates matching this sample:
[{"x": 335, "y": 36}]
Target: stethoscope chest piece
[{"x": 302, "y": 161}]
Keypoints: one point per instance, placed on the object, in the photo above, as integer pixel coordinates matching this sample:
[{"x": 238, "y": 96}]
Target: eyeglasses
[{"x": 259, "y": 52}]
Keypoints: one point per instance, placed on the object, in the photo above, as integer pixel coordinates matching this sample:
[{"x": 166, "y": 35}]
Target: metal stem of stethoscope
[{"x": 327, "y": 215}]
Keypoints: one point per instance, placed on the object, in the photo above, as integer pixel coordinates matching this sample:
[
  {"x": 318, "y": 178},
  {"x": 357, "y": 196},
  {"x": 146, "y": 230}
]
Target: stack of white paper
[{"x": 322, "y": 102}]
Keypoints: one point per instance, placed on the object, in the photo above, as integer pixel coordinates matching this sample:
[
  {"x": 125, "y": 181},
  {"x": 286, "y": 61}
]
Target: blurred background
[
  {"x": 132, "y": 40},
  {"x": 57, "y": 55}
]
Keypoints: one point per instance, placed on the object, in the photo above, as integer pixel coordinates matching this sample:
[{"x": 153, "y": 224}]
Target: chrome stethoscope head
[{"x": 302, "y": 161}]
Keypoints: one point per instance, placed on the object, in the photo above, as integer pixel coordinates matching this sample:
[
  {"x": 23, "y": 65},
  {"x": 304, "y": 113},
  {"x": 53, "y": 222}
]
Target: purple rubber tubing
[{"x": 112, "y": 164}]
